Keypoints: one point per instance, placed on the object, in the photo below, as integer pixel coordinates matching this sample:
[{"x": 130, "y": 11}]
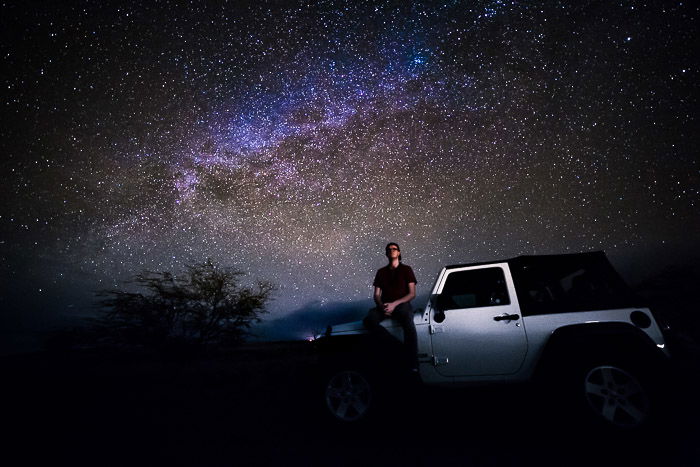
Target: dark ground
[{"x": 258, "y": 406}]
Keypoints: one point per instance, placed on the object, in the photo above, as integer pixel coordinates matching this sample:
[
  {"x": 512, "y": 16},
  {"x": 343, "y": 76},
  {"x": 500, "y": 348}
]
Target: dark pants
[{"x": 403, "y": 314}]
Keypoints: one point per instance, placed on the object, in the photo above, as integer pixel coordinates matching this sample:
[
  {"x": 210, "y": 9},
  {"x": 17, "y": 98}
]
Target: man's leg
[
  {"x": 404, "y": 315},
  {"x": 381, "y": 336},
  {"x": 373, "y": 318}
]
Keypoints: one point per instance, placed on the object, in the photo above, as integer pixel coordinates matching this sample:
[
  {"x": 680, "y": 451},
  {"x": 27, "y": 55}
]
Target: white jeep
[{"x": 568, "y": 321}]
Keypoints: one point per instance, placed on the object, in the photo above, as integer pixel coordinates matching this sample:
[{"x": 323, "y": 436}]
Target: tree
[{"x": 206, "y": 305}]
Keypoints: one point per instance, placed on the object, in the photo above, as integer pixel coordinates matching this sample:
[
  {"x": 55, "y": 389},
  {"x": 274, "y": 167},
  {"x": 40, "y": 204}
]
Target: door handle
[{"x": 512, "y": 317}]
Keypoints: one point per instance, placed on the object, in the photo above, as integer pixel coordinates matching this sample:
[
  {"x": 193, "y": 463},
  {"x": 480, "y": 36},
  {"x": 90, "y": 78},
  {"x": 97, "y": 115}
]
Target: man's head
[{"x": 392, "y": 249}]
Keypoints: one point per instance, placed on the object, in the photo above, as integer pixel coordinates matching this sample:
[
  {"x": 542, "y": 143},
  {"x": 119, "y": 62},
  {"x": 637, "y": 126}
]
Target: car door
[{"x": 476, "y": 327}]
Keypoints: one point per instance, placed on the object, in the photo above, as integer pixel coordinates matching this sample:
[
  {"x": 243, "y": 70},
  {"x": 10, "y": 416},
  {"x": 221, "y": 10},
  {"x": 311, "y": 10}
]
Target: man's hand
[{"x": 389, "y": 308}]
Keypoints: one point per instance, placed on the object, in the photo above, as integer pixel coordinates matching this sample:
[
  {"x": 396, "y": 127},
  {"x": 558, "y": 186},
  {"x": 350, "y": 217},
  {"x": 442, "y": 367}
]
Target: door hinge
[{"x": 437, "y": 329}]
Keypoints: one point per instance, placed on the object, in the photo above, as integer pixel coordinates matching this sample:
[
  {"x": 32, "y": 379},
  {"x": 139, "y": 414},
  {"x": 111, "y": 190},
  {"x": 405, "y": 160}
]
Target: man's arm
[
  {"x": 378, "y": 296},
  {"x": 389, "y": 307}
]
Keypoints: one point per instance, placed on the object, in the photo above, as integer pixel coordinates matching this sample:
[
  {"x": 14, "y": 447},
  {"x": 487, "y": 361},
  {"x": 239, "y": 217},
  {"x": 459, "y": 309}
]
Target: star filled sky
[{"x": 293, "y": 140}]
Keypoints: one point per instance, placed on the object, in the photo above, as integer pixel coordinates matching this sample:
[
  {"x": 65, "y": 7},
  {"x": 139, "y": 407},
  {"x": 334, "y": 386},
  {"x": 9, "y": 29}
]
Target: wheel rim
[
  {"x": 617, "y": 396},
  {"x": 348, "y": 395}
]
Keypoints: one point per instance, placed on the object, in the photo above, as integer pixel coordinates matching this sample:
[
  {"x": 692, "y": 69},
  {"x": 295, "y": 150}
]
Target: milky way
[{"x": 293, "y": 140}]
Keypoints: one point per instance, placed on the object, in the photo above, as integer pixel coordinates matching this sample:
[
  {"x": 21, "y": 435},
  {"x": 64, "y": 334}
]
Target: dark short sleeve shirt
[{"x": 394, "y": 282}]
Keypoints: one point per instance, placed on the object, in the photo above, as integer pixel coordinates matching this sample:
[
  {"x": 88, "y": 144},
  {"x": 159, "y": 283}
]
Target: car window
[
  {"x": 475, "y": 288},
  {"x": 567, "y": 286}
]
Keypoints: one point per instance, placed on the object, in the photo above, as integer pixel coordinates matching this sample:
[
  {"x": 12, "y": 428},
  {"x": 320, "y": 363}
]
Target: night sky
[{"x": 293, "y": 140}]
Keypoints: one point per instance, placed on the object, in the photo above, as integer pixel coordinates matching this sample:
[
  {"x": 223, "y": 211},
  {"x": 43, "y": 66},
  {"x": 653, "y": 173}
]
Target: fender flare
[{"x": 574, "y": 342}]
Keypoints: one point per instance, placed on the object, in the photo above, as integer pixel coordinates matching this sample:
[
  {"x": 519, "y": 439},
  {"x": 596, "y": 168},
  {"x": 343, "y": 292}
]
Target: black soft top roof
[
  {"x": 570, "y": 282},
  {"x": 525, "y": 261}
]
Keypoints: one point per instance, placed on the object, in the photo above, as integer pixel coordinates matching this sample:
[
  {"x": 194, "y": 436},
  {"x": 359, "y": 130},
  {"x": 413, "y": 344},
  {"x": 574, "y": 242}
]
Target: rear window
[{"x": 561, "y": 285}]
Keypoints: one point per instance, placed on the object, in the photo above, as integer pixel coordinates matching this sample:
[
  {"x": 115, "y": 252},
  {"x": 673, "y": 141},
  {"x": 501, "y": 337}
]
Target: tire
[
  {"x": 617, "y": 396},
  {"x": 349, "y": 395},
  {"x": 621, "y": 394},
  {"x": 606, "y": 393}
]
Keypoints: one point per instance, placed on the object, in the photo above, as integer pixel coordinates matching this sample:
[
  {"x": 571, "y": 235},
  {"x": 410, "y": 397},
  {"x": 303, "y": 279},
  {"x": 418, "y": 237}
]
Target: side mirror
[
  {"x": 436, "y": 302},
  {"x": 439, "y": 316},
  {"x": 440, "y": 303}
]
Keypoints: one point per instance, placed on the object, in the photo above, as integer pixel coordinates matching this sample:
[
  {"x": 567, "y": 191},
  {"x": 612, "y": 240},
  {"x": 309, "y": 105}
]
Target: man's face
[{"x": 392, "y": 251}]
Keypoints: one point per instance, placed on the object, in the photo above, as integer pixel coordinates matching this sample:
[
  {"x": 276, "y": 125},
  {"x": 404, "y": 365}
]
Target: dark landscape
[
  {"x": 198, "y": 170},
  {"x": 259, "y": 405}
]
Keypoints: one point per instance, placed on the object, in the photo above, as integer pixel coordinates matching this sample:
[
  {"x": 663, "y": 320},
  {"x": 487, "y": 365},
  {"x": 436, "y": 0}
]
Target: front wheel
[{"x": 348, "y": 395}]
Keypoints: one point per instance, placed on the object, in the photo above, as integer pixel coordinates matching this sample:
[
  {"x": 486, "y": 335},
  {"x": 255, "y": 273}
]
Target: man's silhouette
[{"x": 394, "y": 288}]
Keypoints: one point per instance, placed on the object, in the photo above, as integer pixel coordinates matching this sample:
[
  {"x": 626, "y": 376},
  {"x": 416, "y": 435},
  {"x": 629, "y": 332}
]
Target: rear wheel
[{"x": 617, "y": 396}]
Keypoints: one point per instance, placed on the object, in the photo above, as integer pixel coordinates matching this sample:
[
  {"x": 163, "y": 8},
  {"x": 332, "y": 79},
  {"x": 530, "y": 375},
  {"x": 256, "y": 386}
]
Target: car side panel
[{"x": 540, "y": 328}]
